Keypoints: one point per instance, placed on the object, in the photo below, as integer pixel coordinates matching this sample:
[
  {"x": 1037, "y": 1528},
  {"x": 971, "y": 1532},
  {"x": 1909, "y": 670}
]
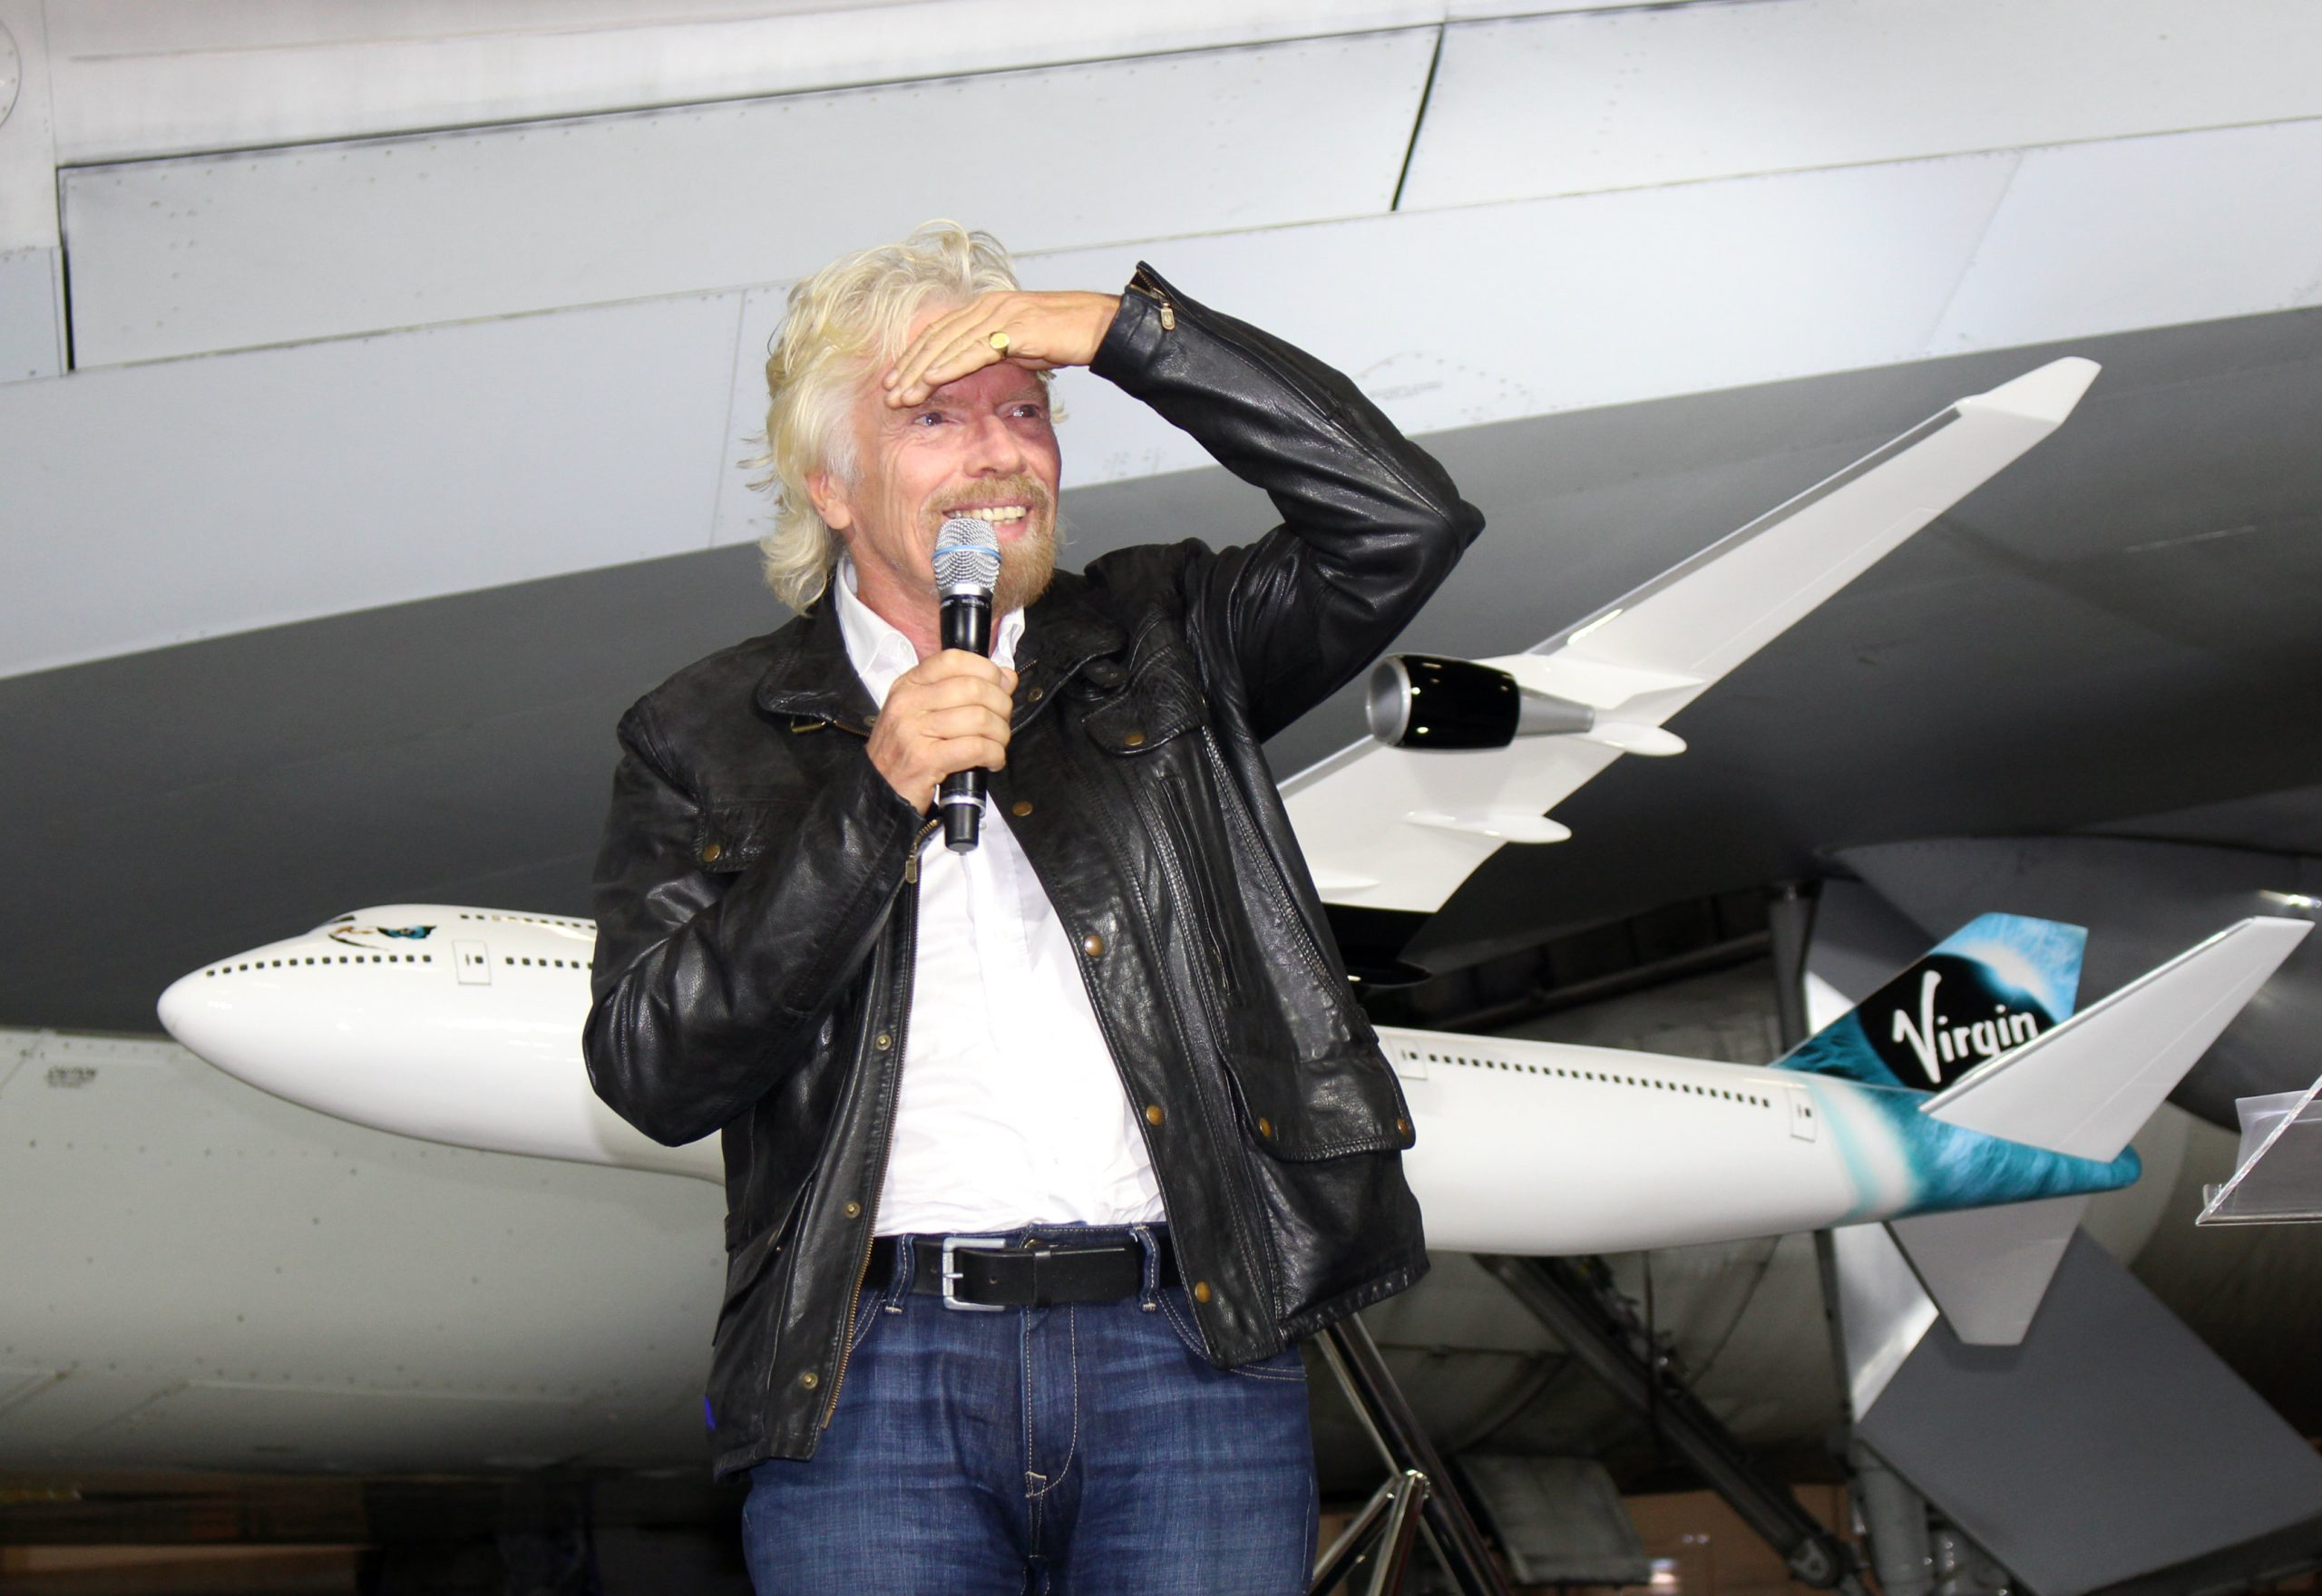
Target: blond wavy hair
[{"x": 846, "y": 320}]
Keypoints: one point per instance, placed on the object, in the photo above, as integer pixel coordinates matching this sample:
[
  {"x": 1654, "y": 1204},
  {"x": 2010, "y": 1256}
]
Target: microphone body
[
  {"x": 967, "y": 567},
  {"x": 967, "y": 624}
]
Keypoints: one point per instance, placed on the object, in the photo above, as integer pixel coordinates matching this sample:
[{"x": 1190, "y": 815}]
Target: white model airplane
[{"x": 463, "y": 1026}]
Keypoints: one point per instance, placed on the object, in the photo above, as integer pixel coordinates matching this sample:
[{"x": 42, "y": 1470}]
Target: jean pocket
[{"x": 867, "y": 1303}]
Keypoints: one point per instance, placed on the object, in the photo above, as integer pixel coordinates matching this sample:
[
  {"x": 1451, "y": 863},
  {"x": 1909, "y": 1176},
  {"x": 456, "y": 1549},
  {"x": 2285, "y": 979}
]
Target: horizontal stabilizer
[
  {"x": 1988, "y": 1268},
  {"x": 2088, "y": 1085},
  {"x": 2081, "y": 1089}
]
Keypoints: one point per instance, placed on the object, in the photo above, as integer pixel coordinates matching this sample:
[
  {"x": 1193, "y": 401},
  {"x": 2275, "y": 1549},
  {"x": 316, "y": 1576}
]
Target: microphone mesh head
[{"x": 967, "y": 556}]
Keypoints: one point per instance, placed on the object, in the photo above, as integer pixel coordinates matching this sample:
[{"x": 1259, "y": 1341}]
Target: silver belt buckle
[{"x": 951, "y": 1245}]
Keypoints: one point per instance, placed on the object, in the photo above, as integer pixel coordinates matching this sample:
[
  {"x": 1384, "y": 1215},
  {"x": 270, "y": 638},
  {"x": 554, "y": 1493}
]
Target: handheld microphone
[{"x": 967, "y": 567}]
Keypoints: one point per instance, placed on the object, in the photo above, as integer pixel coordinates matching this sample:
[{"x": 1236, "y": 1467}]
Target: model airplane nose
[
  {"x": 231, "y": 1017},
  {"x": 173, "y": 1005},
  {"x": 185, "y": 1012}
]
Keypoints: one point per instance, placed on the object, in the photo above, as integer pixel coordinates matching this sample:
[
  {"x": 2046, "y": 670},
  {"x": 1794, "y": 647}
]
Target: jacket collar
[{"x": 810, "y": 679}]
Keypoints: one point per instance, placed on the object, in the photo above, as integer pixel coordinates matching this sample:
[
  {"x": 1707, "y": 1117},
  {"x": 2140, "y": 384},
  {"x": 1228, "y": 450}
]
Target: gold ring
[{"x": 999, "y": 342}]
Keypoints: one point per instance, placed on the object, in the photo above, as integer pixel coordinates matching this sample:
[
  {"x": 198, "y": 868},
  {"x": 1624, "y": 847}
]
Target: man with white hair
[{"x": 1041, "y": 1157}]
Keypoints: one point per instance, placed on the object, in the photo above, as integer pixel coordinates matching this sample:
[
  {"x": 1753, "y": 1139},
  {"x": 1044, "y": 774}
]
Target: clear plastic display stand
[{"x": 2279, "y": 1180}]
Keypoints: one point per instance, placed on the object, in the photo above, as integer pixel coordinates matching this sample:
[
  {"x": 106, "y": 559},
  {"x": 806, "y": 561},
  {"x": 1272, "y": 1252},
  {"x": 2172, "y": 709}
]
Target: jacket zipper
[
  {"x": 1143, "y": 284},
  {"x": 870, "y": 1219}
]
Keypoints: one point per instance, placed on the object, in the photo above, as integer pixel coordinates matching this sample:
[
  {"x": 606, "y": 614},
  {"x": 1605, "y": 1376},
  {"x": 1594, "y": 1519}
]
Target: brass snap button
[
  {"x": 1036, "y": 694},
  {"x": 1092, "y": 945},
  {"x": 810, "y": 1380},
  {"x": 1402, "y": 1127},
  {"x": 854, "y": 1210},
  {"x": 1201, "y": 1290},
  {"x": 710, "y": 853},
  {"x": 1021, "y": 807},
  {"x": 1133, "y": 740},
  {"x": 1153, "y": 1114},
  {"x": 885, "y": 1040},
  {"x": 1265, "y": 1127}
]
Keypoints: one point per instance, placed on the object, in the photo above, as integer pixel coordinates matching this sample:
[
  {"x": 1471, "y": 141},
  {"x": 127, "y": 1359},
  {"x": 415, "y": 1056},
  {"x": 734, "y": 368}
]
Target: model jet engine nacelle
[{"x": 1423, "y": 701}]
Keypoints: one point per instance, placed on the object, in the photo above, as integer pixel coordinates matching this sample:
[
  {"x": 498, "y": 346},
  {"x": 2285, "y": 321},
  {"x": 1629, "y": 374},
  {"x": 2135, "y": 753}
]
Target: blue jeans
[{"x": 1061, "y": 1451}]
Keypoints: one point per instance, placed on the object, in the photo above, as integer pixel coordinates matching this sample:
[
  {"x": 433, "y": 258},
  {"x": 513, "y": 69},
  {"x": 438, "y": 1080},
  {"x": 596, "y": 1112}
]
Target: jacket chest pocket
[
  {"x": 1134, "y": 711},
  {"x": 1144, "y": 737}
]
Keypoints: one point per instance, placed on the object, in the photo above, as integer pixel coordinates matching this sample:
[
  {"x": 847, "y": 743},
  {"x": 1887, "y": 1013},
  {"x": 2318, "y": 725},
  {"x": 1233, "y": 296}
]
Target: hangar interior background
[{"x": 372, "y": 383}]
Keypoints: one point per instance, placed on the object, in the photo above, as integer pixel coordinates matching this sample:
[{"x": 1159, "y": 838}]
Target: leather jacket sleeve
[
  {"x": 1371, "y": 524},
  {"x": 706, "y": 984}
]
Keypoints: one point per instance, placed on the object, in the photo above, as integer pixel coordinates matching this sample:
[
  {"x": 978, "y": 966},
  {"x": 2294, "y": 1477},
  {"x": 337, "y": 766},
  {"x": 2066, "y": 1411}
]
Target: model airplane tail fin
[
  {"x": 1993, "y": 984},
  {"x": 2081, "y": 1089}
]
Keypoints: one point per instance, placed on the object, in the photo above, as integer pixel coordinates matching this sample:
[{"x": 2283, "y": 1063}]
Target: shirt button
[
  {"x": 1021, "y": 807},
  {"x": 709, "y": 854},
  {"x": 1092, "y": 945},
  {"x": 1153, "y": 1114},
  {"x": 1201, "y": 1290}
]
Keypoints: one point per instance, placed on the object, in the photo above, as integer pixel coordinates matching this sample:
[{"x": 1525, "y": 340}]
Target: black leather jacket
[{"x": 757, "y": 895}]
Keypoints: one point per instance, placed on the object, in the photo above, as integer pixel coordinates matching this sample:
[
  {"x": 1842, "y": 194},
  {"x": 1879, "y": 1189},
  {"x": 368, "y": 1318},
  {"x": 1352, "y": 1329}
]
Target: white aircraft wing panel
[{"x": 1391, "y": 828}]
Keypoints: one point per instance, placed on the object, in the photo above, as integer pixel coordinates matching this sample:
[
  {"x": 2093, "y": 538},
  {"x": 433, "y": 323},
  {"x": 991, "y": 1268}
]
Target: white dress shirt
[{"x": 1011, "y": 1110}]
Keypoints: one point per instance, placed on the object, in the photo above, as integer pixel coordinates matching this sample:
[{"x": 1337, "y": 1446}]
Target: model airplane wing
[{"x": 1401, "y": 827}]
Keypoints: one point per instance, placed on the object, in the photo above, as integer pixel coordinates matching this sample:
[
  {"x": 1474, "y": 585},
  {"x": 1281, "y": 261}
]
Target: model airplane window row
[{"x": 1582, "y": 1074}]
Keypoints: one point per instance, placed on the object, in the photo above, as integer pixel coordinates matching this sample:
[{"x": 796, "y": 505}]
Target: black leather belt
[{"x": 991, "y": 1273}]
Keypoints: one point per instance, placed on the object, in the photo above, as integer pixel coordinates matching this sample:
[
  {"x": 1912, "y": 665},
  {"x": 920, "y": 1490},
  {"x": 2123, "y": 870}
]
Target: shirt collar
[{"x": 880, "y": 653}]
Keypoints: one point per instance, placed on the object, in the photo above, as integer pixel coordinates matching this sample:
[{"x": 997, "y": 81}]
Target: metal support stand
[
  {"x": 1421, "y": 1500},
  {"x": 1594, "y": 1322},
  {"x": 1790, "y": 925},
  {"x": 1388, "y": 1524}
]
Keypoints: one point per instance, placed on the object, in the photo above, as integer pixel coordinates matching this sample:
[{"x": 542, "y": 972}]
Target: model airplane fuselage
[{"x": 464, "y": 1026}]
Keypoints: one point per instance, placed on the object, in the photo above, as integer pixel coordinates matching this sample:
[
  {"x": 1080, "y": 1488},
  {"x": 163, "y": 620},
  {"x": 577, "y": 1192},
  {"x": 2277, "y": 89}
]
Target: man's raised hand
[
  {"x": 1036, "y": 331},
  {"x": 948, "y": 713}
]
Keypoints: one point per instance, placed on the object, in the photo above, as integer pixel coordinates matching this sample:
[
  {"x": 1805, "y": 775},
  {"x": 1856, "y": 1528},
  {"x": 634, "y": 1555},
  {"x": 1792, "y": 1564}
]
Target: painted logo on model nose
[{"x": 406, "y": 933}]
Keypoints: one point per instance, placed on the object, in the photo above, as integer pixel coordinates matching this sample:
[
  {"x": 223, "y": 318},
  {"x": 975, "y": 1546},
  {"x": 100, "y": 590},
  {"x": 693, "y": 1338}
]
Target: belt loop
[
  {"x": 899, "y": 1282},
  {"x": 1149, "y": 1298}
]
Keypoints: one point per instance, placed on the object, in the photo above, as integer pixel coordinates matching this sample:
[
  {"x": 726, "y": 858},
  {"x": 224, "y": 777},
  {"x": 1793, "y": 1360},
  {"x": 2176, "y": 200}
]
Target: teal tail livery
[
  {"x": 1993, "y": 985},
  {"x": 1983, "y": 1178}
]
